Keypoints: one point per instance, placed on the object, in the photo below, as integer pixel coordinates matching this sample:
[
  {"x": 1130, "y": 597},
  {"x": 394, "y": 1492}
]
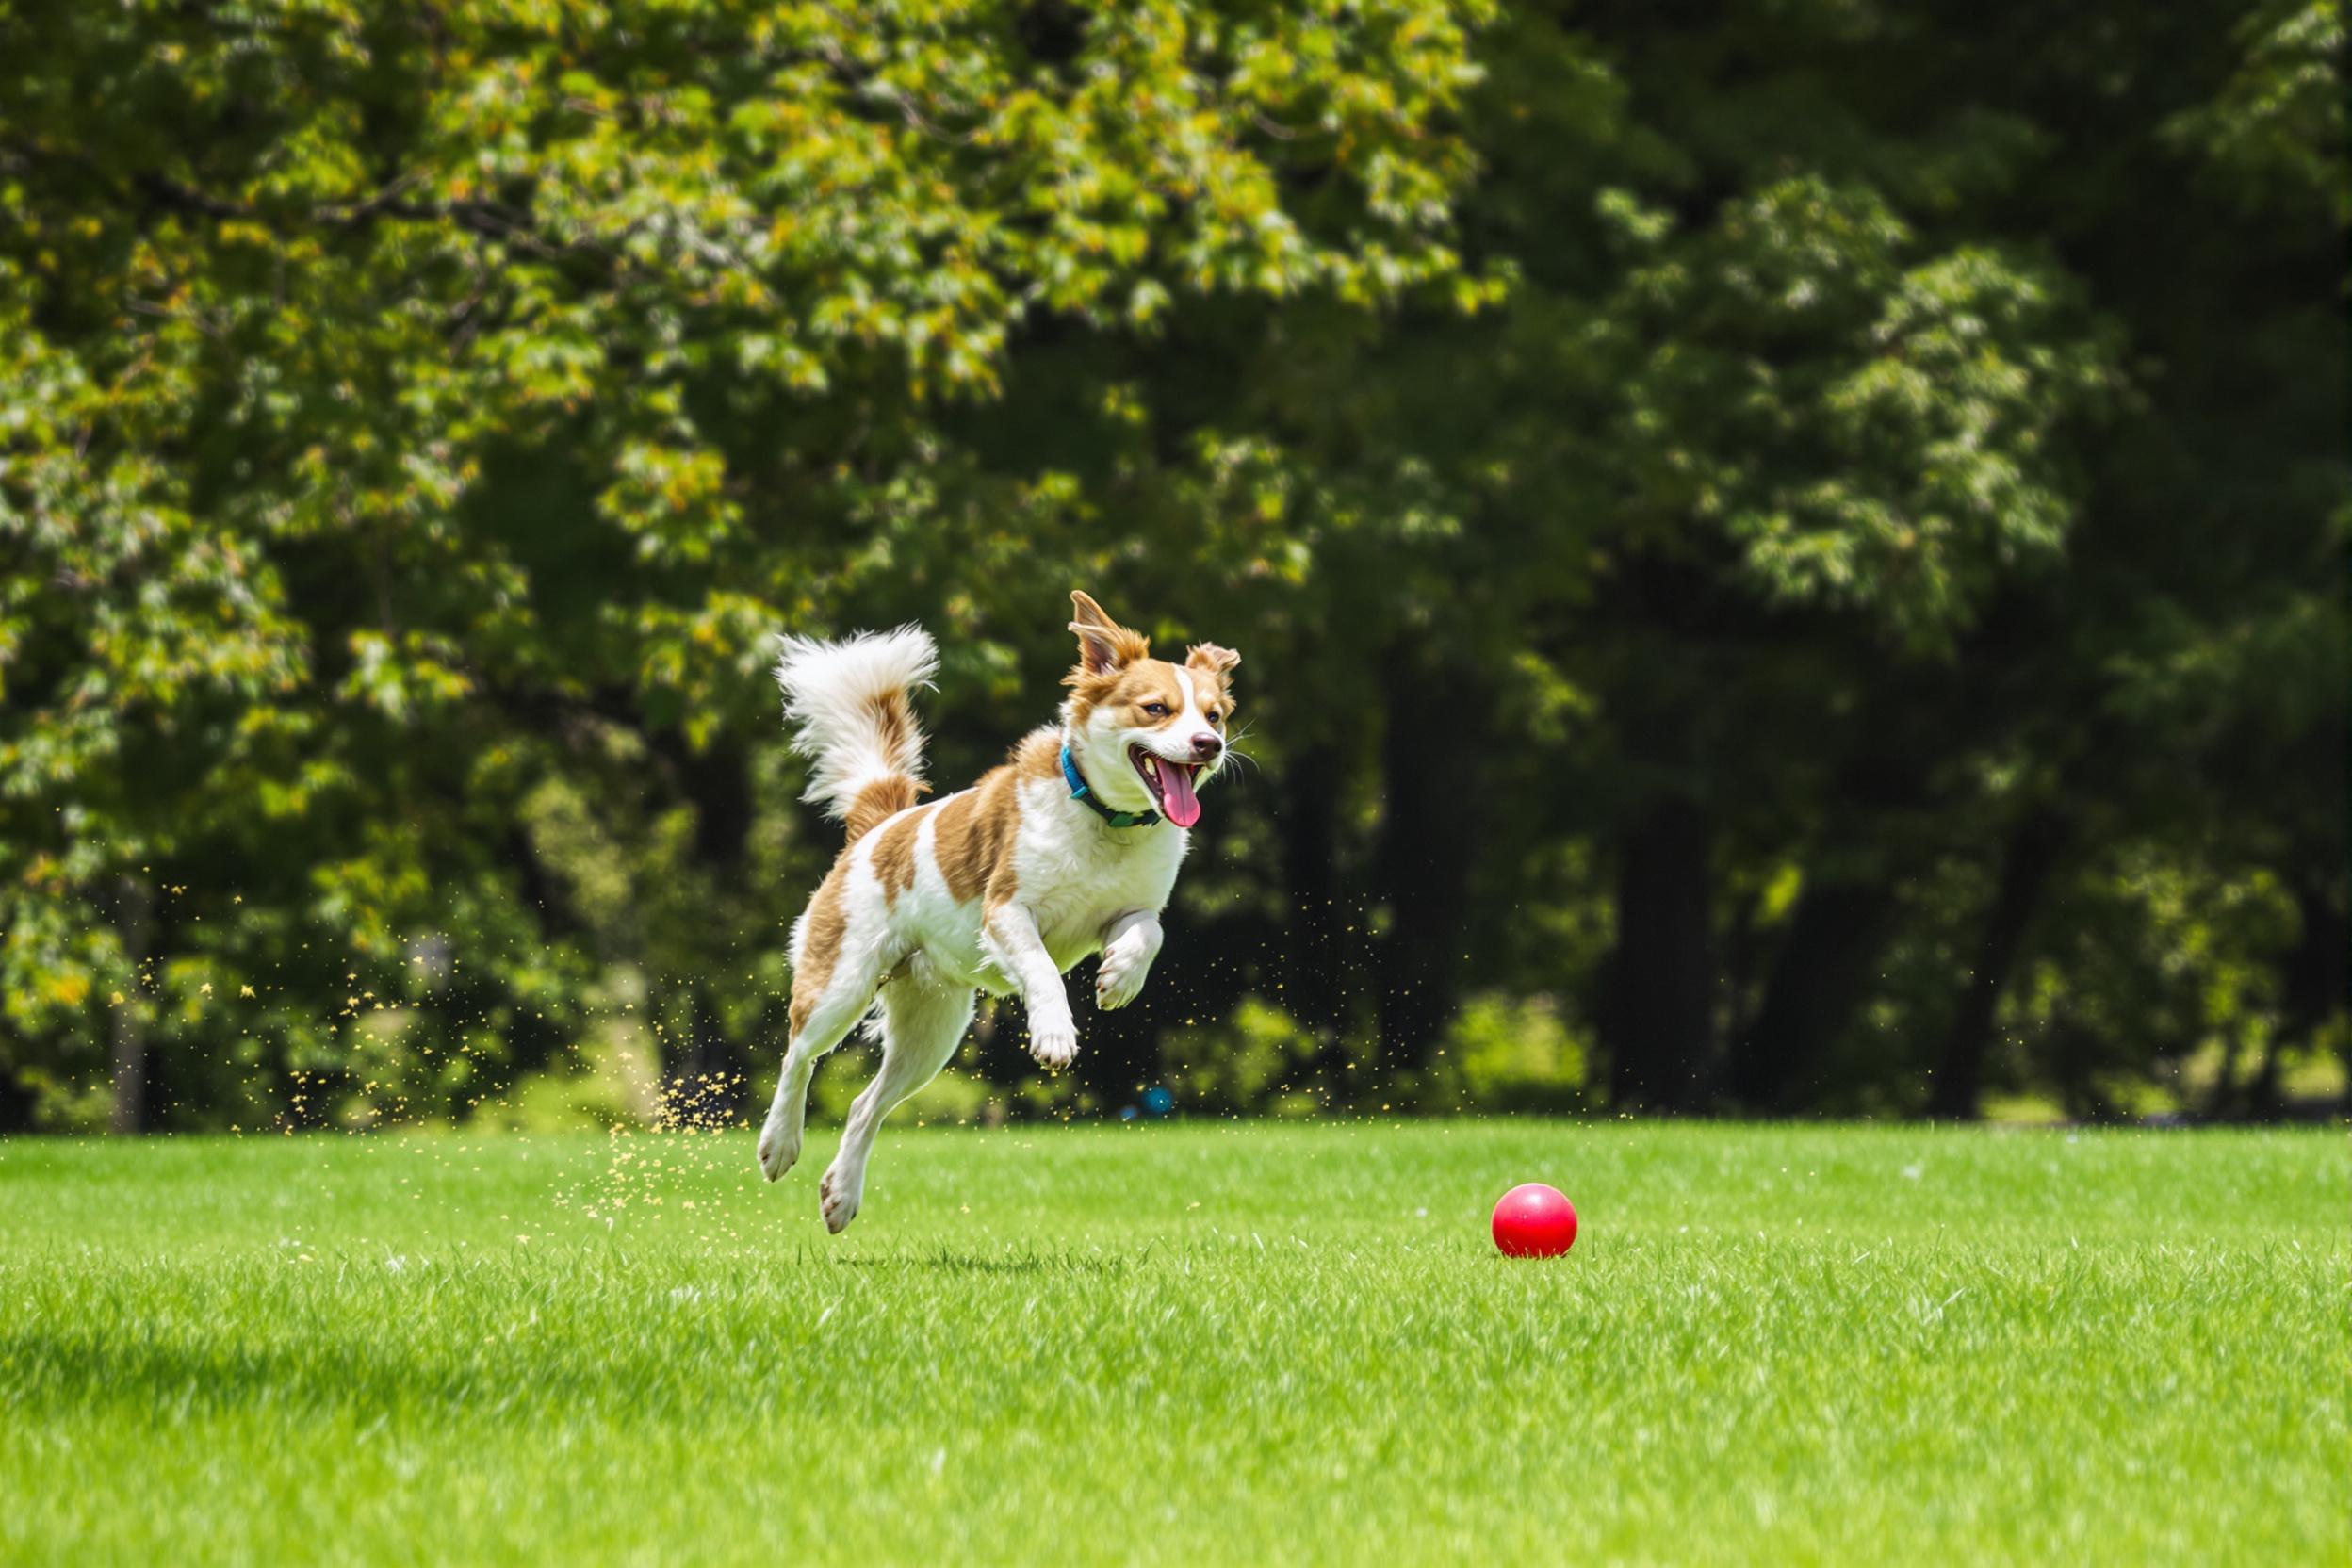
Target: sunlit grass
[{"x": 1179, "y": 1344}]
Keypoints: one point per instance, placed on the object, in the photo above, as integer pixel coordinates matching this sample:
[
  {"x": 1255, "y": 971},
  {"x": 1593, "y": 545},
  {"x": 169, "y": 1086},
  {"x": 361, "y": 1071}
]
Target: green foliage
[
  {"x": 414, "y": 427},
  {"x": 1506, "y": 1053},
  {"x": 1258, "y": 1060},
  {"x": 2275, "y": 133},
  {"x": 1854, "y": 448},
  {"x": 1868, "y": 429}
]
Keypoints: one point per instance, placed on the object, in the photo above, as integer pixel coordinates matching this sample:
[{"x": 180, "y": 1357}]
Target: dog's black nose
[{"x": 1205, "y": 746}]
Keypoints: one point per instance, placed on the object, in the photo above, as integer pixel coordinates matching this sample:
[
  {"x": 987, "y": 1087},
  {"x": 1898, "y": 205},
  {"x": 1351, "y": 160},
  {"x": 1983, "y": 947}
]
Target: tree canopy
[{"x": 1788, "y": 558}]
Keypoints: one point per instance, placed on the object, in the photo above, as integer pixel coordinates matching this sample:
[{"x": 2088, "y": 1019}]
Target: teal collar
[{"x": 1081, "y": 790}]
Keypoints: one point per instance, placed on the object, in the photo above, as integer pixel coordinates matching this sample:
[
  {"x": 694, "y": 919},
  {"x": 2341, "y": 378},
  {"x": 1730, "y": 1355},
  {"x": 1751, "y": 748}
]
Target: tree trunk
[
  {"x": 1312, "y": 991},
  {"x": 16, "y": 1106},
  {"x": 2314, "y": 980},
  {"x": 717, "y": 781},
  {"x": 2032, "y": 854},
  {"x": 133, "y": 905},
  {"x": 1321, "y": 970},
  {"x": 1429, "y": 769},
  {"x": 1658, "y": 1015},
  {"x": 1817, "y": 984},
  {"x": 539, "y": 889}
]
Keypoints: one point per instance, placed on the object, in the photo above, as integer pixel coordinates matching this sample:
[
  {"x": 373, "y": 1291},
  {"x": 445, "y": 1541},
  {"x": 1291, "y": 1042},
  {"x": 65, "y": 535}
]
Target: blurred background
[{"x": 1788, "y": 556}]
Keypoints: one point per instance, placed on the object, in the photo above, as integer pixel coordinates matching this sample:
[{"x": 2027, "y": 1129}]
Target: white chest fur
[{"x": 1077, "y": 872}]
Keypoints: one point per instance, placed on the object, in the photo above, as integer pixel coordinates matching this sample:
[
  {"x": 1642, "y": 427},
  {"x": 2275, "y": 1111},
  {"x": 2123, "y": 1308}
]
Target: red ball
[{"x": 1535, "y": 1221}]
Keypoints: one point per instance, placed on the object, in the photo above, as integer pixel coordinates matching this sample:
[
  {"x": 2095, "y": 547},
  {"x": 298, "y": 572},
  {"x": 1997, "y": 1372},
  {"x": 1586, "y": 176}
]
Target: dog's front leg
[
  {"x": 1018, "y": 949},
  {"x": 1129, "y": 945}
]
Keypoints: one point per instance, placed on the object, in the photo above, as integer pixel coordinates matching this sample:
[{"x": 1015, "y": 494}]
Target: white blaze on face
[
  {"x": 1175, "y": 777},
  {"x": 1193, "y": 721}
]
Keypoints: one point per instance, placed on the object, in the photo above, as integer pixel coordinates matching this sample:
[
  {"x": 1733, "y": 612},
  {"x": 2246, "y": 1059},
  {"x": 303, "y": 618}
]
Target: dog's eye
[
  {"x": 1215, "y": 716},
  {"x": 1158, "y": 710}
]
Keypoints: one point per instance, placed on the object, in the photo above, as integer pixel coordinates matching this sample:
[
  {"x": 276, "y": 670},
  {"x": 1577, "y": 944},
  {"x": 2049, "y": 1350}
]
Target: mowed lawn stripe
[{"x": 1280, "y": 1342}]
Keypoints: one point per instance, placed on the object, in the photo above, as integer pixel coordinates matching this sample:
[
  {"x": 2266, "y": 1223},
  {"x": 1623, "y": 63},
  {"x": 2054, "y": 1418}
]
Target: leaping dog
[{"x": 1069, "y": 848}]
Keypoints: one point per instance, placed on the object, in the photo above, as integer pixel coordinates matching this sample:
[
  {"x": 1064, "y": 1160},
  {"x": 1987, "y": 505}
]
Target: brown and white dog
[{"x": 1069, "y": 848}]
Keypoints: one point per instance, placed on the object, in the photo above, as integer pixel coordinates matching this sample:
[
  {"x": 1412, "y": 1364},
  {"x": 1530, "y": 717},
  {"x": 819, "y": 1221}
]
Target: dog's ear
[
  {"x": 1104, "y": 644},
  {"x": 1217, "y": 661}
]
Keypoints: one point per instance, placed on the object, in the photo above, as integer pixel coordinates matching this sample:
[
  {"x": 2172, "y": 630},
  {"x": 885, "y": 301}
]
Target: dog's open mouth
[{"x": 1171, "y": 784}]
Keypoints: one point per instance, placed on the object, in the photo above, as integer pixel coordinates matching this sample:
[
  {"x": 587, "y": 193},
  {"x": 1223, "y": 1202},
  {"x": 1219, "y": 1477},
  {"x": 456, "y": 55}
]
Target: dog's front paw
[
  {"x": 1118, "y": 979},
  {"x": 1055, "y": 1044}
]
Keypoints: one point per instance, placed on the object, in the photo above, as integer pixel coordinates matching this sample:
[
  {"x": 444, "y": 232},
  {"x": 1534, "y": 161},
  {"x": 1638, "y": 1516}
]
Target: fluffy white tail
[{"x": 848, "y": 700}]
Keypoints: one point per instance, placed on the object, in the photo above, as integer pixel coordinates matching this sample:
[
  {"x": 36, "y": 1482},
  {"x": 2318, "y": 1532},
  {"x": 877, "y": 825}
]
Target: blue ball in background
[{"x": 1157, "y": 1100}]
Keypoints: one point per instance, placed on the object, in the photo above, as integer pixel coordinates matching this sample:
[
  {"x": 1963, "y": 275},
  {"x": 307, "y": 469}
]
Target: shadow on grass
[
  {"x": 73, "y": 1376},
  {"x": 948, "y": 1261},
  {"x": 701, "y": 1341}
]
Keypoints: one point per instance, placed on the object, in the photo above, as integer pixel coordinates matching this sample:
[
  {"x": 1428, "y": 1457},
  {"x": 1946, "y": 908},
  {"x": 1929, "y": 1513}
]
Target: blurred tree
[
  {"x": 408, "y": 411},
  {"x": 1792, "y": 551}
]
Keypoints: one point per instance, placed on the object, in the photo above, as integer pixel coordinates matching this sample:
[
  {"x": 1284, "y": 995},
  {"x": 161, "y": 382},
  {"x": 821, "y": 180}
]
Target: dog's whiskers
[{"x": 1232, "y": 749}]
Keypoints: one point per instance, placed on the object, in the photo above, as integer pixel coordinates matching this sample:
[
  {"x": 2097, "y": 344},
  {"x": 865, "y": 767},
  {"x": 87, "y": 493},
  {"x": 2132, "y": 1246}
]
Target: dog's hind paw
[
  {"x": 837, "y": 1200},
  {"x": 1119, "y": 981},
  {"x": 778, "y": 1151}
]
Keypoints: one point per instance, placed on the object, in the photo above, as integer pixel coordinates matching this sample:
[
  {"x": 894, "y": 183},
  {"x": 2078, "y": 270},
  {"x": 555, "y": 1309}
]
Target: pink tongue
[{"x": 1176, "y": 798}]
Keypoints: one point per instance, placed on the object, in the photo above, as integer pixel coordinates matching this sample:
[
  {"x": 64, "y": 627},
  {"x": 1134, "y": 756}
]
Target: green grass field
[{"x": 1197, "y": 1343}]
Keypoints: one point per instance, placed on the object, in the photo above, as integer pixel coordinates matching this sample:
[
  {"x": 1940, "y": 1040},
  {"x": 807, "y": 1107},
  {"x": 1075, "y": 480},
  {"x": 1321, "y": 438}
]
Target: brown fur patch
[
  {"x": 894, "y": 855},
  {"x": 1215, "y": 660},
  {"x": 1132, "y": 686},
  {"x": 828, "y": 921},
  {"x": 894, "y": 722},
  {"x": 1089, "y": 691},
  {"x": 973, "y": 841},
  {"x": 1037, "y": 755},
  {"x": 878, "y": 803},
  {"x": 1104, "y": 644},
  {"x": 1211, "y": 669}
]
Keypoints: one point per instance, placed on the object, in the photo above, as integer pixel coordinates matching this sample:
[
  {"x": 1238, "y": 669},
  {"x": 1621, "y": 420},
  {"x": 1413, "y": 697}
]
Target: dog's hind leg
[
  {"x": 827, "y": 1024},
  {"x": 838, "y": 960},
  {"x": 923, "y": 1019}
]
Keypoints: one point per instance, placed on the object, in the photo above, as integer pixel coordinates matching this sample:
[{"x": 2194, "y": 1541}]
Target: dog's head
[{"x": 1147, "y": 733}]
